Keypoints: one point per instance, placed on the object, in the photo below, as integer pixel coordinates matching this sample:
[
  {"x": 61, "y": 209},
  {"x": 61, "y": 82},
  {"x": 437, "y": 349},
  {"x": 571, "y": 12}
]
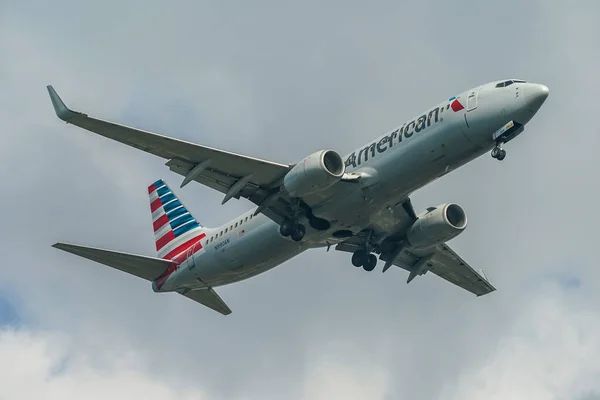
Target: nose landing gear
[
  {"x": 498, "y": 152},
  {"x": 503, "y": 135}
]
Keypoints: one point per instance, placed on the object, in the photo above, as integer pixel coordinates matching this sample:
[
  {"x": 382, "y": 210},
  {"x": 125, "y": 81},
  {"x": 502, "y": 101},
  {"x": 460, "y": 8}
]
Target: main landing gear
[
  {"x": 498, "y": 152},
  {"x": 293, "y": 229},
  {"x": 361, "y": 258}
]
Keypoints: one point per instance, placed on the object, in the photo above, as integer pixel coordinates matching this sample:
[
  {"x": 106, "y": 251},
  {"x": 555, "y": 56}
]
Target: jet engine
[
  {"x": 315, "y": 173},
  {"x": 437, "y": 225}
]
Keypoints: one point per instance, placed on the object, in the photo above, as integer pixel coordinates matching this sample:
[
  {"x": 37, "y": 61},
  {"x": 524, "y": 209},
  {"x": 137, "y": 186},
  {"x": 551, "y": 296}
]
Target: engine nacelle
[
  {"x": 315, "y": 173},
  {"x": 437, "y": 225}
]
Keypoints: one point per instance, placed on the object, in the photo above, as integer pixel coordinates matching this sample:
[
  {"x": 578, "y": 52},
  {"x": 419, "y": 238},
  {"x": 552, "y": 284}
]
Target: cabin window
[
  {"x": 246, "y": 220},
  {"x": 236, "y": 224},
  {"x": 221, "y": 233}
]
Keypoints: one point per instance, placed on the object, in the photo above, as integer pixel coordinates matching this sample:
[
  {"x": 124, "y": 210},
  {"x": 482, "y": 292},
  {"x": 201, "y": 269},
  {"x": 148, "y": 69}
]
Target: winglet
[{"x": 60, "y": 108}]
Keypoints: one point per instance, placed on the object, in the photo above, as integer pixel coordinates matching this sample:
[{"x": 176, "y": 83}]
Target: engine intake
[
  {"x": 315, "y": 173},
  {"x": 437, "y": 225}
]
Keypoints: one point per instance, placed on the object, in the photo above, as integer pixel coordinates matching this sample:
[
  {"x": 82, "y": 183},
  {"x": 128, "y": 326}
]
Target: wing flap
[
  {"x": 141, "y": 266},
  {"x": 209, "y": 298},
  {"x": 216, "y": 180}
]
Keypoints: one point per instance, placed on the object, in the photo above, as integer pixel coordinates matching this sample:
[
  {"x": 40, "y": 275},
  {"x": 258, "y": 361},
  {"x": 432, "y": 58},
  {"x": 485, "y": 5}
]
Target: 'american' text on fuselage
[{"x": 387, "y": 142}]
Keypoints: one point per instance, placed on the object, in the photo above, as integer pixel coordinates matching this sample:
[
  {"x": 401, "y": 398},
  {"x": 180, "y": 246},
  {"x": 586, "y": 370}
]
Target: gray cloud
[
  {"x": 590, "y": 396},
  {"x": 280, "y": 81}
]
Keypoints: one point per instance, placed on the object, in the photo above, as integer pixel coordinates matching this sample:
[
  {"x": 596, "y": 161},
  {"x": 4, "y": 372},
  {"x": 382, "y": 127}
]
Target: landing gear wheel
[
  {"x": 498, "y": 153},
  {"x": 371, "y": 263},
  {"x": 298, "y": 233},
  {"x": 286, "y": 228},
  {"x": 359, "y": 258}
]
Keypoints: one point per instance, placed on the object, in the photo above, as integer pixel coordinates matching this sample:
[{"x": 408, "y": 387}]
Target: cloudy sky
[{"x": 280, "y": 80}]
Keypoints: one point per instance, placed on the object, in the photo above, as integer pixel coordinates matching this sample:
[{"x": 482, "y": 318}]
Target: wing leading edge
[{"x": 233, "y": 174}]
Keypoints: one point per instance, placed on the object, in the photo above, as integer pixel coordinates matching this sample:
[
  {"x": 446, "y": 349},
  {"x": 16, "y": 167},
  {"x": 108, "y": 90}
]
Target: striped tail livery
[{"x": 175, "y": 229}]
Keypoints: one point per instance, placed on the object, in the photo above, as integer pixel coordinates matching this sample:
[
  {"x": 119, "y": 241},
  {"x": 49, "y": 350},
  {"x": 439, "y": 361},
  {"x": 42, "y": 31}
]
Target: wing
[
  {"x": 209, "y": 298},
  {"x": 141, "y": 266},
  {"x": 445, "y": 263},
  {"x": 233, "y": 174},
  {"x": 442, "y": 260}
]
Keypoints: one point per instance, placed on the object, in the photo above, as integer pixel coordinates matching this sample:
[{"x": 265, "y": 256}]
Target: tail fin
[{"x": 175, "y": 229}]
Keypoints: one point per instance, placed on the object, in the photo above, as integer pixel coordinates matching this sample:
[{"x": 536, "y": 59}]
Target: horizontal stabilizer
[
  {"x": 209, "y": 298},
  {"x": 141, "y": 266}
]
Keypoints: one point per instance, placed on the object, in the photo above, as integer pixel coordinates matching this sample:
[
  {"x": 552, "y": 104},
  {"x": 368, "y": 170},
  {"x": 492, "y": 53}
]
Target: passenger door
[
  {"x": 191, "y": 262},
  {"x": 472, "y": 99}
]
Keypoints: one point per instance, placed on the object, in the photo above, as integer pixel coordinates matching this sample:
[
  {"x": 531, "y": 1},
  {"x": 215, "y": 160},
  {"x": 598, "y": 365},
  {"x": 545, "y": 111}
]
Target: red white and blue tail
[{"x": 175, "y": 229}]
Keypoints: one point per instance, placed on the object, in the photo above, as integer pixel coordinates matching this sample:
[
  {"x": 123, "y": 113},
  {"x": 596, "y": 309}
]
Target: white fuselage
[{"x": 391, "y": 167}]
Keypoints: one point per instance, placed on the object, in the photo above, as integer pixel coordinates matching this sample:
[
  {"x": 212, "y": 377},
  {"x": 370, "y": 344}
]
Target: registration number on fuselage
[{"x": 221, "y": 244}]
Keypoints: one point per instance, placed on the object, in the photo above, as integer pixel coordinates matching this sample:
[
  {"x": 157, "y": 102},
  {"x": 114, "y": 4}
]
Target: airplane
[{"x": 359, "y": 203}]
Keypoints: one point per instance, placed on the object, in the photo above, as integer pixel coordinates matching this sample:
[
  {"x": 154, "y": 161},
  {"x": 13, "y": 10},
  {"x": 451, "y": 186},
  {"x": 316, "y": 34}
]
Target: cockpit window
[{"x": 509, "y": 82}]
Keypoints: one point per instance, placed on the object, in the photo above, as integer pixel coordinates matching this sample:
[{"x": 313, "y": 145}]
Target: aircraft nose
[{"x": 535, "y": 95}]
